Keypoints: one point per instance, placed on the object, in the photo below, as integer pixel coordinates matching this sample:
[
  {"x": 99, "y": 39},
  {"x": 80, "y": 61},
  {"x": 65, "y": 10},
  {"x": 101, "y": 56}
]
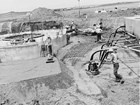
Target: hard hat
[{"x": 110, "y": 49}]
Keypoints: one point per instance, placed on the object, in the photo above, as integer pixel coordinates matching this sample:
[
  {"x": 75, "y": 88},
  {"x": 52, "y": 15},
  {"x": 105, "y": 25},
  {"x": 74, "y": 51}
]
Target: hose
[
  {"x": 129, "y": 68},
  {"x": 103, "y": 54},
  {"x": 91, "y": 58},
  {"x": 103, "y": 58}
]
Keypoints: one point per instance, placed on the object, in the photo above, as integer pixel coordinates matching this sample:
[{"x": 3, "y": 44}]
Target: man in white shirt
[
  {"x": 114, "y": 59},
  {"x": 99, "y": 33}
]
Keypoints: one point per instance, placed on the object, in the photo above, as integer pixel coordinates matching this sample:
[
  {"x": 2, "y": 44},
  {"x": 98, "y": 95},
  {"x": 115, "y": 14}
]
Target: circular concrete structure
[
  {"x": 30, "y": 50},
  {"x": 19, "y": 52}
]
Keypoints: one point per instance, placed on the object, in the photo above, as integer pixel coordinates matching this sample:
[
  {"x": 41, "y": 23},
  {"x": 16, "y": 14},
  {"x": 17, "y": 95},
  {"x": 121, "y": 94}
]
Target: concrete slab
[{"x": 27, "y": 69}]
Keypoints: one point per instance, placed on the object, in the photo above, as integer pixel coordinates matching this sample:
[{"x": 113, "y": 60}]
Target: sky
[{"x": 29, "y": 5}]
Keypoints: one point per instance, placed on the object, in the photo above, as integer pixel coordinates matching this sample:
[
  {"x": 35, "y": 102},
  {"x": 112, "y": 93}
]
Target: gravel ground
[
  {"x": 113, "y": 93},
  {"x": 116, "y": 94},
  {"x": 54, "y": 90}
]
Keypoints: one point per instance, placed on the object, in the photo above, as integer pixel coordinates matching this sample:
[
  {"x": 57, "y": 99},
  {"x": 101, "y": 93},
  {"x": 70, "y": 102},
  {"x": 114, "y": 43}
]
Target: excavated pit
[{"x": 60, "y": 89}]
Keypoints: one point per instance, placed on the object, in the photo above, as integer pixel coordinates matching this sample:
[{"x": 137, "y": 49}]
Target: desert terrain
[{"x": 73, "y": 86}]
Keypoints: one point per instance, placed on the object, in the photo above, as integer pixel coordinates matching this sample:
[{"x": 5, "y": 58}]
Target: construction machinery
[{"x": 125, "y": 37}]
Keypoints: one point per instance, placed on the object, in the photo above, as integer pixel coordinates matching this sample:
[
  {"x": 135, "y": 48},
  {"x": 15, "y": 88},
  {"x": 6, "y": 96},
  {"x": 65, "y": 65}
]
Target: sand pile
[{"x": 42, "y": 14}]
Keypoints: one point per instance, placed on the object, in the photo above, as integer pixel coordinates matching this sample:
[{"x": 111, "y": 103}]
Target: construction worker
[
  {"x": 48, "y": 44},
  {"x": 72, "y": 26},
  {"x": 99, "y": 33},
  {"x": 93, "y": 30},
  {"x": 94, "y": 26},
  {"x": 68, "y": 34},
  {"x": 114, "y": 60},
  {"x": 101, "y": 24},
  {"x": 43, "y": 48}
]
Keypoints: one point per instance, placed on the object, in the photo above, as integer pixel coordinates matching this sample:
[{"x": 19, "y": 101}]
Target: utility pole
[
  {"x": 79, "y": 16},
  {"x": 79, "y": 7}
]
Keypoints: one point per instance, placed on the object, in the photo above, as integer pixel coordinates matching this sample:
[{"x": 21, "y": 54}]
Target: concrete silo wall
[
  {"x": 20, "y": 52},
  {"x": 32, "y": 50}
]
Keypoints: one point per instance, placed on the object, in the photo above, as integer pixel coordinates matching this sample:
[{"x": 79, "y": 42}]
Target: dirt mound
[{"x": 41, "y": 14}]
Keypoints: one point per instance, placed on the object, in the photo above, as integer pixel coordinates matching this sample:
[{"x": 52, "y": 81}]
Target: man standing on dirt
[
  {"x": 72, "y": 26},
  {"x": 68, "y": 34},
  {"x": 94, "y": 26},
  {"x": 99, "y": 33},
  {"x": 114, "y": 59},
  {"x": 48, "y": 44},
  {"x": 43, "y": 48}
]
